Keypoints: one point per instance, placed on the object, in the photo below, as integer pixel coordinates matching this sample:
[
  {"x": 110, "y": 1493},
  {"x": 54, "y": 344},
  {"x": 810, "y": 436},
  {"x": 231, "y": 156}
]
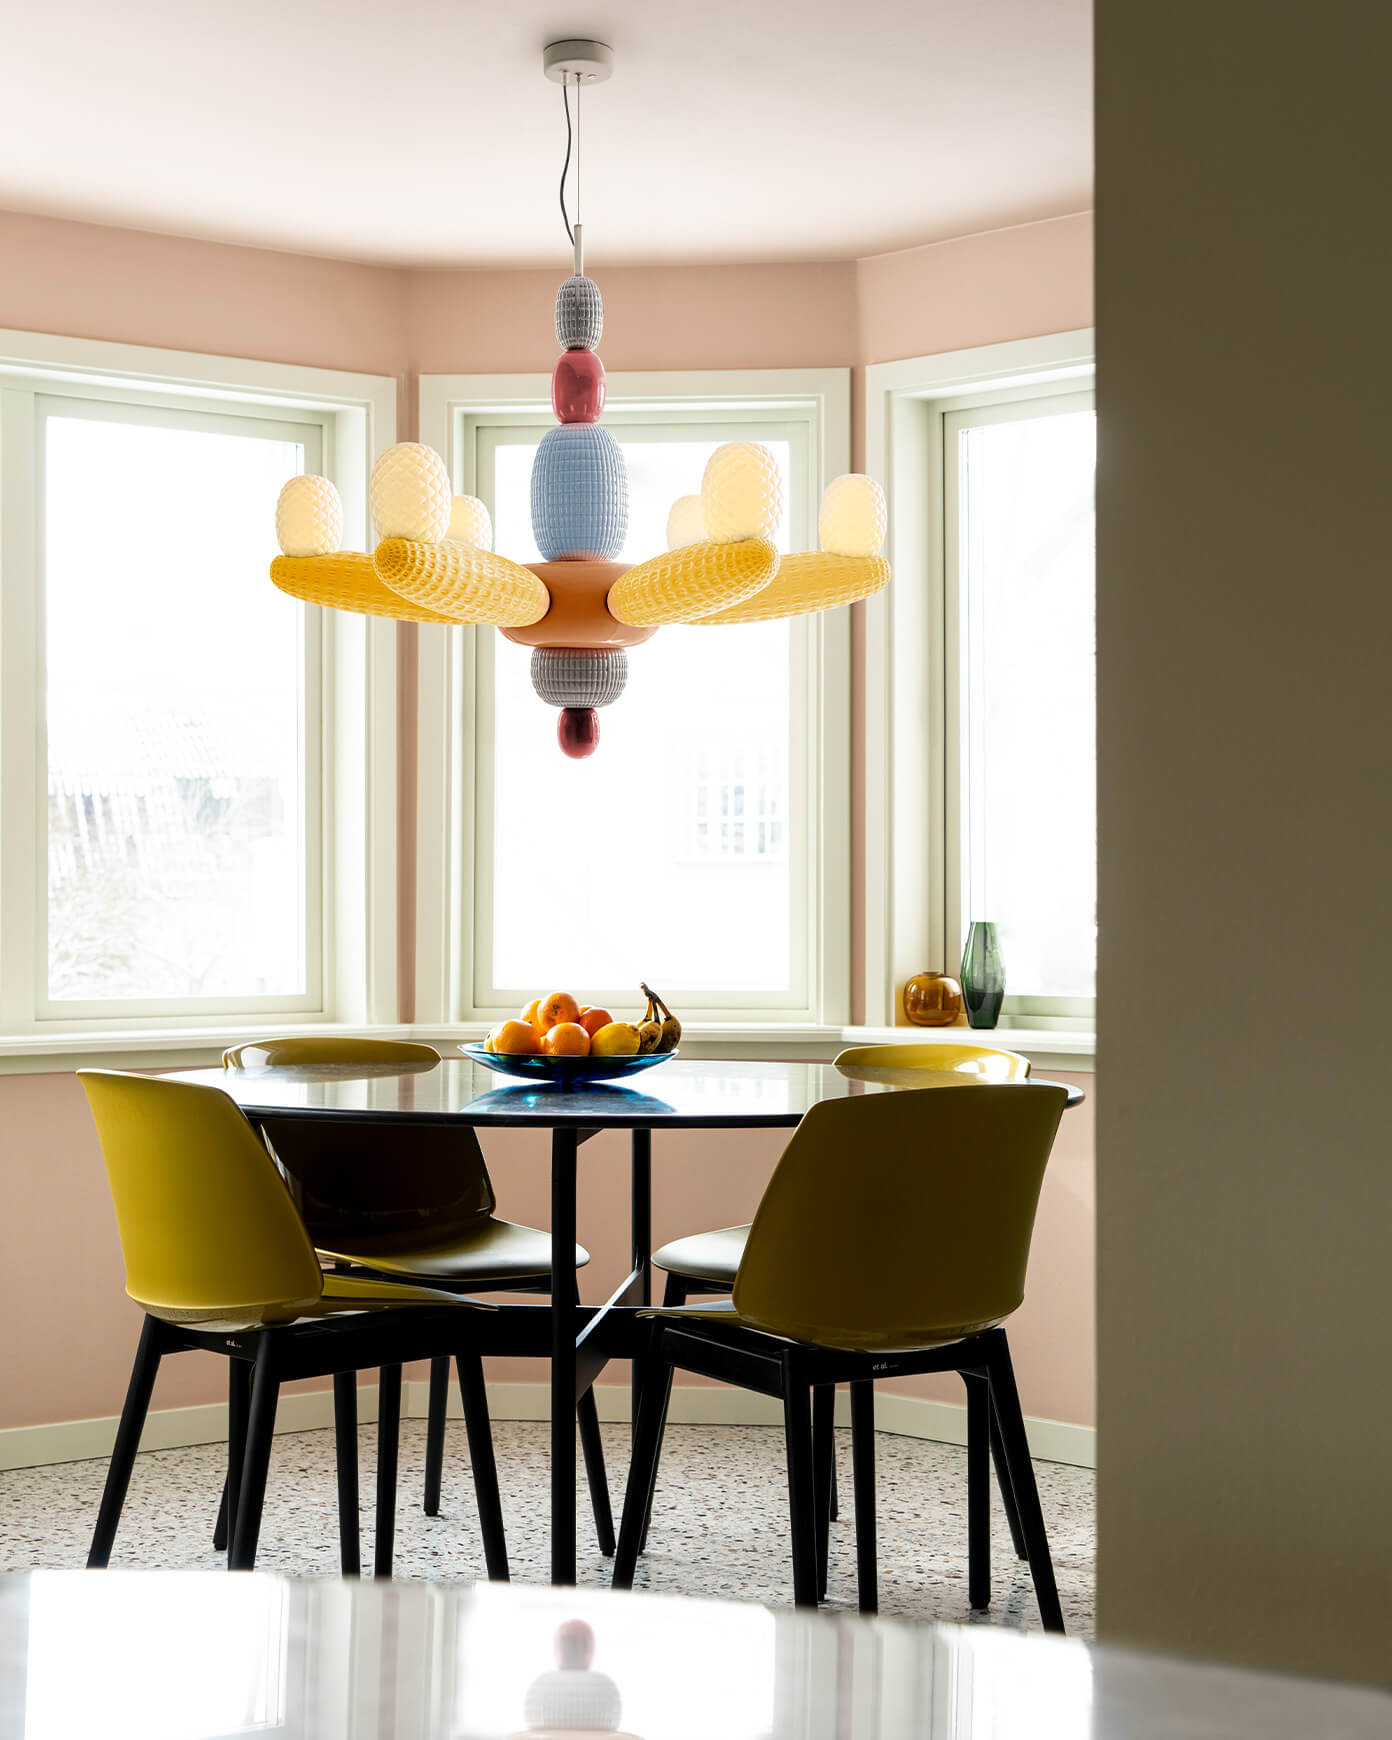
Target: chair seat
[
  {"x": 493, "y": 1251},
  {"x": 707, "y": 1256}
]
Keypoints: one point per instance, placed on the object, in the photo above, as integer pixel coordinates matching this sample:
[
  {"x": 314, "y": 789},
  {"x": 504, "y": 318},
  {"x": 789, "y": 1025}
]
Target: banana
[
  {"x": 649, "y": 1028},
  {"x": 671, "y": 1029}
]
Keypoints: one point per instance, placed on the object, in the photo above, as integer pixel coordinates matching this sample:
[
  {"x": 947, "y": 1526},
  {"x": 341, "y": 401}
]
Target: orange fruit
[
  {"x": 592, "y": 1019},
  {"x": 566, "y": 1039},
  {"x": 531, "y": 1014},
  {"x": 559, "y": 1006},
  {"x": 516, "y": 1037}
]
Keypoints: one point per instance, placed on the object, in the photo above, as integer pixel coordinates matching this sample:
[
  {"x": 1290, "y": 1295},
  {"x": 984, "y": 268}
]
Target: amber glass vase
[{"x": 932, "y": 1000}]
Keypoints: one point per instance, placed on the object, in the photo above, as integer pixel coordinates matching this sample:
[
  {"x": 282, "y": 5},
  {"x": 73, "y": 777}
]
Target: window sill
[{"x": 195, "y": 1048}]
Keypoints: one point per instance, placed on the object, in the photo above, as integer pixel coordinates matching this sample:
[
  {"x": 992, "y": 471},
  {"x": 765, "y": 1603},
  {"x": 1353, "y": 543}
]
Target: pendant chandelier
[{"x": 579, "y": 609}]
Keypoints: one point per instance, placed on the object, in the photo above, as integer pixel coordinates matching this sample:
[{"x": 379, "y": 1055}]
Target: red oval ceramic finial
[
  {"x": 577, "y": 731},
  {"x": 574, "y": 1644},
  {"x": 577, "y": 387}
]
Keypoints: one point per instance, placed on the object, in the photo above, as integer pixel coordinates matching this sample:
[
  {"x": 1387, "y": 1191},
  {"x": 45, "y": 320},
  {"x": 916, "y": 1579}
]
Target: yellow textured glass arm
[
  {"x": 684, "y": 584},
  {"x": 465, "y": 583},
  {"x": 807, "y": 582},
  {"x": 345, "y": 581}
]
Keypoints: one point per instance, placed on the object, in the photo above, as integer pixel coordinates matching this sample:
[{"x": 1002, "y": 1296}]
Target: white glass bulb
[
  {"x": 741, "y": 493},
  {"x": 686, "y": 524},
  {"x": 309, "y": 518},
  {"x": 469, "y": 522},
  {"x": 410, "y": 494},
  {"x": 853, "y": 519}
]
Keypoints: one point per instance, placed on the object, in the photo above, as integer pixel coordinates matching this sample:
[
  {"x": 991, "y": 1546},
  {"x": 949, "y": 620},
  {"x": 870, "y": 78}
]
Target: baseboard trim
[{"x": 692, "y": 1404}]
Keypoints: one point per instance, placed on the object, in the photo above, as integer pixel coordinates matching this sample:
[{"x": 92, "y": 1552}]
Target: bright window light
[
  {"x": 669, "y": 854},
  {"x": 187, "y": 1657},
  {"x": 1024, "y": 584},
  {"x": 177, "y": 788}
]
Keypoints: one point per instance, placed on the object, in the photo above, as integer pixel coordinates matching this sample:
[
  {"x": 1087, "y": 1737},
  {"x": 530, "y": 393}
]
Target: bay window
[
  {"x": 981, "y": 748},
  {"x": 702, "y": 847},
  {"x": 187, "y": 809}
]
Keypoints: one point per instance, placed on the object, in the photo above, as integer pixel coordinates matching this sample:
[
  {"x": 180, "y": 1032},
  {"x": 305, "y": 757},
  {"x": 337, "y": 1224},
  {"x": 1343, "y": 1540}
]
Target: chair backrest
[
  {"x": 207, "y": 1227},
  {"x": 361, "y": 1180},
  {"x": 311, "y": 1048},
  {"x": 901, "y": 1219},
  {"x": 977, "y": 1062}
]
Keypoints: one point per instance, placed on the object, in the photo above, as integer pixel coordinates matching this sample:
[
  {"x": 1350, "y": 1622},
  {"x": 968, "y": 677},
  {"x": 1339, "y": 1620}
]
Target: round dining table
[{"x": 682, "y": 1094}]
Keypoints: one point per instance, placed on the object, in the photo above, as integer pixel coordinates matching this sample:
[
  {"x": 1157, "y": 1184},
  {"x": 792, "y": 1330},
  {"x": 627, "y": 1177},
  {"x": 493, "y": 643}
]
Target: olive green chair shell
[{"x": 707, "y": 1261}]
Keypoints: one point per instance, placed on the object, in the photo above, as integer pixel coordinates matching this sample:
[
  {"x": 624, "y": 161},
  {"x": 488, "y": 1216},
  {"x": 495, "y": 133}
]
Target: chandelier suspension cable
[{"x": 573, "y": 146}]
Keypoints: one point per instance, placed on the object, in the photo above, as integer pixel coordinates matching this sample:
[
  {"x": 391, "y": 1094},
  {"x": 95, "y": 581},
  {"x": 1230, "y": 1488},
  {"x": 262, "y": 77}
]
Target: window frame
[
  {"x": 914, "y": 844},
  {"x": 454, "y": 671},
  {"x": 352, "y": 741}
]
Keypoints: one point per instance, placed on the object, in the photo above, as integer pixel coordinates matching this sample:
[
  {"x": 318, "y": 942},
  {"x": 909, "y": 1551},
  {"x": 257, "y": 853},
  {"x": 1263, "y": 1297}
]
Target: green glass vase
[{"x": 983, "y": 975}]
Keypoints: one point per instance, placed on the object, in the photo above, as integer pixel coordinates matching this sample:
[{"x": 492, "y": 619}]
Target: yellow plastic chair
[
  {"x": 411, "y": 1202},
  {"x": 706, "y": 1262},
  {"x": 911, "y": 1270},
  {"x": 218, "y": 1259}
]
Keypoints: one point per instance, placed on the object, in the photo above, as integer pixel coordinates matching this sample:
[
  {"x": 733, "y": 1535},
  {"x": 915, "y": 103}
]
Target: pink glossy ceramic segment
[{"x": 577, "y": 387}]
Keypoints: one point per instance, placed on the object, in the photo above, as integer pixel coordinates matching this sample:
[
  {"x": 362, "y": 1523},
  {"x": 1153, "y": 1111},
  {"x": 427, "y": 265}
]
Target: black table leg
[
  {"x": 564, "y": 1148},
  {"x": 641, "y": 1220}
]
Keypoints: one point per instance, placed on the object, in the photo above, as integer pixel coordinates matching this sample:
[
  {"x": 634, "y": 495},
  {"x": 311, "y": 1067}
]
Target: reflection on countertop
[{"x": 202, "y": 1656}]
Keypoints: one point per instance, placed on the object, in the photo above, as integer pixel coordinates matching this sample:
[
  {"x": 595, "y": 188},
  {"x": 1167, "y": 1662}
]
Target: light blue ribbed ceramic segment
[
  {"x": 579, "y": 493},
  {"x": 579, "y": 315}
]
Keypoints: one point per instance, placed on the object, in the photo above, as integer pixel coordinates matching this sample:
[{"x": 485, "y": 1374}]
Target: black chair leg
[
  {"x": 345, "y": 1394},
  {"x": 221, "y": 1529},
  {"x": 593, "y": 1447},
  {"x": 823, "y": 1474},
  {"x": 1007, "y": 1487},
  {"x": 1015, "y": 1447},
  {"x": 978, "y": 1491},
  {"x": 118, "y": 1472},
  {"x": 435, "y": 1433},
  {"x": 474, "y": 1400},
  {"x": 256, "y": 1459},
  {"x": 238, "y": 1400},
  {"x": 642, "y": 1470},
  {"x": 802, "y": 1504},
  {"x": 388, "y": 1440},
  {"x": 863, "y": 1479},
  {"x": 834, "y": 1509}
]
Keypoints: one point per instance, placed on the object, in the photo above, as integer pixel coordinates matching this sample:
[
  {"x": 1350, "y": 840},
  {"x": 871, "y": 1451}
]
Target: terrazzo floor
[{"x": 719, "y": 1522}]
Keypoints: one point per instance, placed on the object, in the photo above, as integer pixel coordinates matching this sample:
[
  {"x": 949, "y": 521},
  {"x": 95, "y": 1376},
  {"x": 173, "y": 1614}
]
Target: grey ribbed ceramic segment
[
  {"x": 579, "y": 314},
  {"x": 579, "y": 493},
  {"x": 579, "y": 676},
  {"x": 574, "y": 1698}
]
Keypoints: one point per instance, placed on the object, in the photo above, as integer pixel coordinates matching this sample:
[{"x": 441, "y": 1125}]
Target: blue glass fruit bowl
[{"x": 567, "y": 1072}]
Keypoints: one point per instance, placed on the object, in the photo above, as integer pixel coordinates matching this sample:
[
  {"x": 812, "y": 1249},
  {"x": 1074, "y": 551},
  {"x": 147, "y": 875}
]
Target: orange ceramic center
[{"x": 579, "y": 615}]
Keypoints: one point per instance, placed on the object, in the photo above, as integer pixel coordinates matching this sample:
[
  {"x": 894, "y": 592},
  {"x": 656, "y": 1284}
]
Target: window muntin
[
  {"x": 181, "y": 715},
  {"x": 1019, "y": 568},
  {"x": 605, "y": 872}
]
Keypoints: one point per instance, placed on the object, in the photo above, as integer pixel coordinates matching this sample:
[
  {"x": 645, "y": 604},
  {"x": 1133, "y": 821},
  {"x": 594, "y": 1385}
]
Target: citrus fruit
[
  {"x": 516, "y": 1037},
  {"x": 558, "y": 1006},
  {"x": 566, "y": 1039},
  {"x": 592, "y": 1019},
  {"x": 617, "y": 1039}
]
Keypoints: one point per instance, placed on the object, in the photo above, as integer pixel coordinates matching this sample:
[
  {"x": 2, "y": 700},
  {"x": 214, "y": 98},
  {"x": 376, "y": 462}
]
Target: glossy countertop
[
  {"x": 199, "y": 1655},
  {"x": 682, "y": 1094}
]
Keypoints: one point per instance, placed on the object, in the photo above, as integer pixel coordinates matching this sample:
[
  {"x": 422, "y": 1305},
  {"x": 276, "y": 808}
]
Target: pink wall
[{"x": 85, "y": 281}]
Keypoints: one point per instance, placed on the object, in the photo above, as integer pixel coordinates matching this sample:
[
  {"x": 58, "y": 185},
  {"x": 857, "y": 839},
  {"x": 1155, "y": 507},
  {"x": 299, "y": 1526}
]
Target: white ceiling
[{"x": 422, "y": 131}]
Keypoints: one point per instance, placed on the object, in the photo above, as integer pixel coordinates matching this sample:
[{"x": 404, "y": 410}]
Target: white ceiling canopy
[{"x": 422, "y": 132}]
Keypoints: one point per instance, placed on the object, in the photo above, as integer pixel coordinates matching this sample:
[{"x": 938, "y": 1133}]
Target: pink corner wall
[{"x": 85, "y": 281}]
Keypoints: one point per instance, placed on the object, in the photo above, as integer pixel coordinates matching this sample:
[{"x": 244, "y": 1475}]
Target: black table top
[{"x": 682, "y": 1094}]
